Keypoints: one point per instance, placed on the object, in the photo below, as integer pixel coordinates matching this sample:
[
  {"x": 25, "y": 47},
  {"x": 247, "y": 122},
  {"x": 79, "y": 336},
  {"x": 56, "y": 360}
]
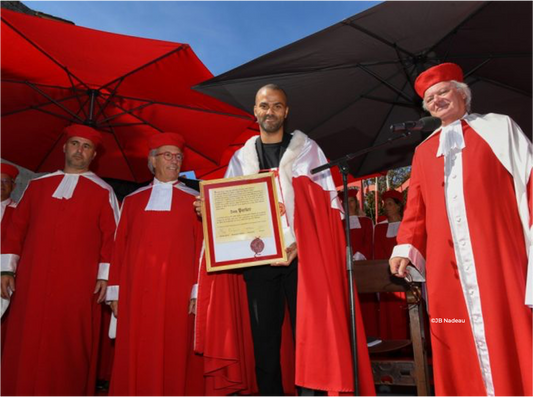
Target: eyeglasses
[{"x": 169, "y": 156}]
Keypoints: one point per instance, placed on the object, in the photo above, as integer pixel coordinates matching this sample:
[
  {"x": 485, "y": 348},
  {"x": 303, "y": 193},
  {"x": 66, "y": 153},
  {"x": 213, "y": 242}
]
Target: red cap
[
  {"x": 351, "y": 193},
  {"x": 393, "y": 194},
  {"x": 437, "y": 74},
  {"x": 10, "y": 170},
  {"x": 84, "y": 131},
  {"x": 166, "y": 138}
]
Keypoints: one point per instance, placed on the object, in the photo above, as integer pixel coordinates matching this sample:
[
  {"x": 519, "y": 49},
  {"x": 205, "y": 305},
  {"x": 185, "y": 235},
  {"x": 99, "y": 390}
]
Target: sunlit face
[
  {"x": 7, "y": 186},
  {"x": 167, "y": 163},
  {"x": 352, "y": 205},
  {"x": 79, "y": 152},
  {"x": 271, "y": 110},
  {"x": 445, "y": 101},
  {"x": 391, "y": 208}
]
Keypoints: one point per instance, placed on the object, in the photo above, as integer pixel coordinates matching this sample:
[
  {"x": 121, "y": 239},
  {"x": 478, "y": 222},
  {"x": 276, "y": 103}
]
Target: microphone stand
[{"x": 342, "y": 163}]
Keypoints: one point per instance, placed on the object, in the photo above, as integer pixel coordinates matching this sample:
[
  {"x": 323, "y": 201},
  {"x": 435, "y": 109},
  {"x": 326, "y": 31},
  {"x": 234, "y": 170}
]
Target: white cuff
[
  {"x": 5, "y": 305},
  {"x": 194, "y": 291},
  {"x": 103, "y": 271},
  {"x": 359, "y": 257},
  {"x": 112, "y": 333},
  {"x": 409, "y": 251},
  {"x": 9, "y": 262},
  {"x": 112, "y": 293}
]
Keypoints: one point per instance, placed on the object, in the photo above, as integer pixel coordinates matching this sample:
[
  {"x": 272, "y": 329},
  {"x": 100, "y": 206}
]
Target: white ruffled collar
[{"x": 451, "y": 138}]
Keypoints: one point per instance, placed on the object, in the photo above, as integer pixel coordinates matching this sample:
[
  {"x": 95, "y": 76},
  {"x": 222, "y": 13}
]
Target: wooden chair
[{"x": 373, "y": 277}]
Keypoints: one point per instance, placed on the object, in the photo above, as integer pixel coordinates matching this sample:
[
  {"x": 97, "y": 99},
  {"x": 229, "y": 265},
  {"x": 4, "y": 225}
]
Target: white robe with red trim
[
  {"x": 323, "y": 353},
  {"x": 467, "y": 222}
]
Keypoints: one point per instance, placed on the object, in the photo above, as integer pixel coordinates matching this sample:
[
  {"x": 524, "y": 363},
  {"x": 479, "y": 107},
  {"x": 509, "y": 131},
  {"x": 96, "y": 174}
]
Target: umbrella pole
[
  {"x": 343, "y": 167},
  {"x": 93, "y": 94}
]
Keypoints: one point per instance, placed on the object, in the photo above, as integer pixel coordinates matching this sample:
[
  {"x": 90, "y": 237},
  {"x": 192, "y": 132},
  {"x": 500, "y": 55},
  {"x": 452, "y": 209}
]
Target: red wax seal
[{"x": 257, "y": 245}]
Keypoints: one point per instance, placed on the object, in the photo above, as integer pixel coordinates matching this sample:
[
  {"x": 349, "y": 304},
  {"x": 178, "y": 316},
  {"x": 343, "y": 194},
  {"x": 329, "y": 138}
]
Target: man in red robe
[
  {"x": 311, "y": 283},
  {"x": 59, "y": 246},
  {"x": 468, "y": 226},
  {"x": 9, "y": 174},
  {"x": 153, "y": 282}
]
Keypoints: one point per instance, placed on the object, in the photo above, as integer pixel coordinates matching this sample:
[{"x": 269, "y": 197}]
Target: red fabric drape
[{"x": 323, "y": 351}]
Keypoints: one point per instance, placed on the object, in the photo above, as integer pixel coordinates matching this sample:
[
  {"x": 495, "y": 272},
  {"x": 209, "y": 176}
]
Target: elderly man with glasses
[
  {"x": 155, "y": 267},
  {"x": 467, "y": 224}
]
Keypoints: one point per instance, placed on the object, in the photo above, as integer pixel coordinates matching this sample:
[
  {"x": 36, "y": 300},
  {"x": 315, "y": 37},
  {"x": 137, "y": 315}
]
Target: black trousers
[{"x": 269, "y": 289}]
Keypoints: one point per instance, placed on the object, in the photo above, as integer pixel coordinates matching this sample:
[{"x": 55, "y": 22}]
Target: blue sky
[{"x": 224, "y": 34}]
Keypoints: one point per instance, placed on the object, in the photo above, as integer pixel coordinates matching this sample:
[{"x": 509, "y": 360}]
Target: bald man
[{"x": 311, "y": 283}]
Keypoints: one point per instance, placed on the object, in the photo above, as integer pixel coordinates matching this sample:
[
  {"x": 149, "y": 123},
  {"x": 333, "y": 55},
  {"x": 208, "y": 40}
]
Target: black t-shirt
[
  {"x": 270, "y": 153},
  {"x": 271, "y": 157}
]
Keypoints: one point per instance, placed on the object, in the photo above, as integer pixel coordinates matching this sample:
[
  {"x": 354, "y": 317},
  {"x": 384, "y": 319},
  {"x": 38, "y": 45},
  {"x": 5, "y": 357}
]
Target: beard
[{"x": 271, "y": 124}]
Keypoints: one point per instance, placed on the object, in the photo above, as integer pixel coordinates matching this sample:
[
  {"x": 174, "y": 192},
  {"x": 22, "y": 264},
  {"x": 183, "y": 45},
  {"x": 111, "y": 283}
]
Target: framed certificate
[{"x": 241, "y": 221}]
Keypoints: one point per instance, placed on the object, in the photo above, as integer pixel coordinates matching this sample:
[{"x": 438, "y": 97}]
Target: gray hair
[
  {"x": 461, "y": 87},
  {"x": 152, "y": 153}
]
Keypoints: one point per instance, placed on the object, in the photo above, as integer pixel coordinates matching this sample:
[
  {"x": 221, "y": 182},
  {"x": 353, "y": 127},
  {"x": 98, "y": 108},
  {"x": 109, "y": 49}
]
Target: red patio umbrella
[
  {"x": 55, "y": 74},
  {"x": 220, "y": 171}
]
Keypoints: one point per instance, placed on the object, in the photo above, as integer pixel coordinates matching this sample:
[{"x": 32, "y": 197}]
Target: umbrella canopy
[
  {"x": 238, "y": 143},
  {"x": 55, "y": 74},
  {"x": 348, "y": 83}
]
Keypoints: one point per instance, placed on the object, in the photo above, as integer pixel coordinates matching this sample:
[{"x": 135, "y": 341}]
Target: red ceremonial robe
[
  {"x": 393, "y": 312},
  {"x": 106, "y": 351},
  {"x": 155, "y": 264},
  {"x": 383, "y": 245},
  {"x": 7, "y": 212},
  {"x": 361, "y": 237},
  {"x": 323, "y": 352},
  {"x": 476, "y": 259},
  {"x": 54, "y": 320}
]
